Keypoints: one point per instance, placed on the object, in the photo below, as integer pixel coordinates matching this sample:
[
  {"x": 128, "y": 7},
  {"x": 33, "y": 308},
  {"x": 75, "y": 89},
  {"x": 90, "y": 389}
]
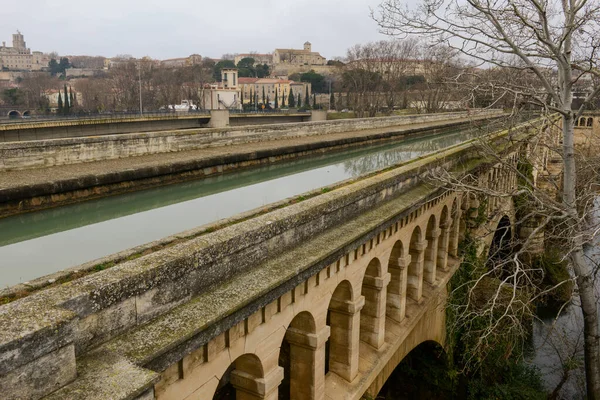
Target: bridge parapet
[{"x": 188, "y": 304}]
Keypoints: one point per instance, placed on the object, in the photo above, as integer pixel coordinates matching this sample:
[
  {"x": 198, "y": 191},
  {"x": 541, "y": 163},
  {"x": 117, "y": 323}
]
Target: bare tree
[
  {"x": 558, "y": 42},
  {"x": 36, "y": 86}
]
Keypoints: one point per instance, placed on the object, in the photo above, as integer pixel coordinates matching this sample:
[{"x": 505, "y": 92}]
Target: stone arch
[
  {"x": 419, "y": 357},
  {"x": 14, "y": 114},
  {"x": 245, "y": 379},
  {"x": 432, "y": 234},
  {"x": 343, "y": 318},
  {"x": 501, "y": 241},
  {"x": 372, "y": 316},
  {"x": 302, "y": 357},
  {"x": 444, "y": 239},
  {"x": 26, "y": 113},
  {"x": 590, "y": 121},
  {"x": 415, "y": 268},
  {"x": 396, "y": 290},
  {"x": 581, "y": 121}
]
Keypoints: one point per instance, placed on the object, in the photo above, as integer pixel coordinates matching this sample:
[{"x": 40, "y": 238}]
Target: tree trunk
[{"x": 583, "y": 271}]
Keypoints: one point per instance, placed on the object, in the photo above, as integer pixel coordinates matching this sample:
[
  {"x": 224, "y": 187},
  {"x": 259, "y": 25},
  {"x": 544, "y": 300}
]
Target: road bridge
[{"x": 320, "y": 298}]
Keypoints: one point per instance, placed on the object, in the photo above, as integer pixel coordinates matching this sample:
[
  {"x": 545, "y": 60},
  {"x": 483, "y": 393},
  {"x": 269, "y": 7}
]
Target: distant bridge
[{"x": 318, "y": 299}]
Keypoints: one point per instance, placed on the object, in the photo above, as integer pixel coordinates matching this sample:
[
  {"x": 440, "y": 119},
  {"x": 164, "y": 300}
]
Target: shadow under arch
[
  {"x": 343, "y": 318},
  {"x": 26, "y": 113},
  {"x": 396, "y": 289},
  {"x": 14, "y": 114},
  {"x": 501, "y": 244},
  {"x": 372, "y": 316},
  {"x": 417, "y": 376},
  {"x": 247, "y": 366},
  {"x": 298, "y": 360}
]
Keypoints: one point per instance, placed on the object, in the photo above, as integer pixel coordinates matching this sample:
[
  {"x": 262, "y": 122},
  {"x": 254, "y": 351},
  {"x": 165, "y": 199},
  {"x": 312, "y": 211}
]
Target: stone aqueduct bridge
[{"x": 318, "y": 299}]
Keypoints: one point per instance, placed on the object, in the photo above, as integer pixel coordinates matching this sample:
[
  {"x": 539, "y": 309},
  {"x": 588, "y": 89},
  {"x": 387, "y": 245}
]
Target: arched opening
[
  {"x": 372, "y": 316},
  {"x": 396, "y": 289},
  {"x": 343, "y": 318},
  {"x": 242, "y": 378},
  {"x": 431, "y": 234},
  {"x": 415, "y": 268},
  {"x": 27, "y": 113},
  {"x": 417, "y": 376},
  {"x": 14, "y": 114},
  {"x": 500, "y": 247},
  {"x": 590, "y": 122},
  {"x": 302, "y": 358},
  {"x": 581, "y": 121},
  {"x": 443, "y": 241}
]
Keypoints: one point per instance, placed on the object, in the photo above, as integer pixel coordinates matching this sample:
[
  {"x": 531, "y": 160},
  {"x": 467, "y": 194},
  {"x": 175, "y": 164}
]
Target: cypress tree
[
  {"x": 66, "y": 104},
  {"x": 292, "y": 99},
  {"x": 60, "y": 104},
  {"x": 332, "y": 101},
  {"x": 307, "y": 99},
  {"x": 251, "y": 96},
  {"x": 242, "y": 97},
  {"x": 264, "y": 97},
  {"x": 276, "y": 99},
  {"x": 315, "y": 101},
  {"x": 283, "y": 99},
  {"x": 71, "y": 98},
  {"x": 299, "y": 101}
]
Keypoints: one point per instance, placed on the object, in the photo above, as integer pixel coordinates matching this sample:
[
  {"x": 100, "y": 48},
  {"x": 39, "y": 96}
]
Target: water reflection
[{"x": 39, "y": 243}]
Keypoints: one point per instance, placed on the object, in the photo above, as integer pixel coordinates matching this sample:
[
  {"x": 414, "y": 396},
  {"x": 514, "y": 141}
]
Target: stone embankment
[{"x": 47, "y": 173}]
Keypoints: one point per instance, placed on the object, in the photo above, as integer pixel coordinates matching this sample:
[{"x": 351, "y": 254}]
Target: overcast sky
[{"x": 177, "y": 28}]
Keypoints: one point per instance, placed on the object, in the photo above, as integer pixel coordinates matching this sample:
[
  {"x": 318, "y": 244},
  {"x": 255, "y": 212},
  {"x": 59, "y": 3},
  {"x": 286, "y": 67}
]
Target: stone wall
[{"x": 46, "y": 153}]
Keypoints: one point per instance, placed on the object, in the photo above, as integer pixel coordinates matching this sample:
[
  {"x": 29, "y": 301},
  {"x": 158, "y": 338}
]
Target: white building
[{"x": 224, "y": 95}]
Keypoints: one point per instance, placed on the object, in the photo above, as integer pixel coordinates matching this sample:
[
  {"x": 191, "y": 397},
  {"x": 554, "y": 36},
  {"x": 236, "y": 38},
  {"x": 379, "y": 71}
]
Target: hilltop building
[
  {"x": 20, "y": 58},
  {"x": 298, "y": 57}
]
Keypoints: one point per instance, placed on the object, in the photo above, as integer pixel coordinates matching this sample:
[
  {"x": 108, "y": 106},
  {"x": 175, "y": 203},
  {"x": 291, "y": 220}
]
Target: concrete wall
[
  {"x": 26, "y": 131},
  {"x": 54, "y": 330},
  {"x": 46, "y": 153},
  {"x": 53, "y": 129}
]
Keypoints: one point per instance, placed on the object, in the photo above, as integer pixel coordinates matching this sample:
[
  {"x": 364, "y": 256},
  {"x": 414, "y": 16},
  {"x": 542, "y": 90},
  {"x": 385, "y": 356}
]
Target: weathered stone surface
[
  {"x": 31, "y": 329},
  {"x": 40, "y": 376},
  {"x": 102, "y": 375}
]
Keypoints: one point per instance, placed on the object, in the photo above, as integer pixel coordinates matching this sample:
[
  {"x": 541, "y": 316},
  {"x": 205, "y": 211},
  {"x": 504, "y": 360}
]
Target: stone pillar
[
  {"x": 249, "y": 387},
  {"x": 219, "y": 119},
  {"x": 415, "y": 271},
  {"x": 443, "y": 243},
  {"x": 396, "y": 290},
  {"x": 372, "y": 316},
  {"x": 431, "y": 256},
  {"x": 307, "y": 363},
  {"x": 318, "y": 115},
  {"x": 344, "y": 319}
]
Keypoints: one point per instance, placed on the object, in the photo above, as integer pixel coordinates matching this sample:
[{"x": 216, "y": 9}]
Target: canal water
[{"x": 39, "y": 243}]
